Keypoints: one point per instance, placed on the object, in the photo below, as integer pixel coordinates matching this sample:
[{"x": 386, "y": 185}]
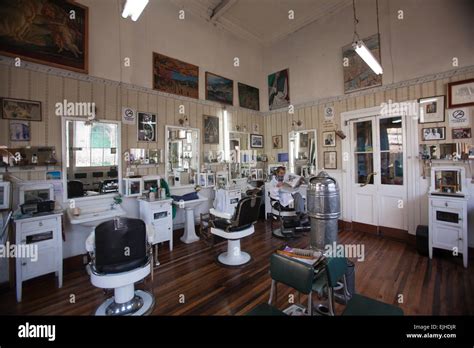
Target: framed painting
[
  {"x": 20, "y": 131},
  {"x": 211, "y": 129},
  {"x": 20, "y": 109},
  {"x": 249, "y": 97},
  {"x": 146, "y": 126},
  {"x": 277, "y": 141},
  {"x": 431, "y": 109},
  {"x": 256, "y": 141},
  {"x": 357, "y": 74},
  {"x": 461, "y": 93},
  {"x": 51, "y": 32},
  {"x": 219, "y": 89},
  {"x": 174, "y": 76},
  {"x": 279, "y": 90}
]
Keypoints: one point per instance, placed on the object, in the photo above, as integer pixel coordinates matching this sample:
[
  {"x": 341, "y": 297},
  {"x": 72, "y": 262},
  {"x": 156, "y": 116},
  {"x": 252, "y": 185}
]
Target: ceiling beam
[{"x": 222, "y": 8}]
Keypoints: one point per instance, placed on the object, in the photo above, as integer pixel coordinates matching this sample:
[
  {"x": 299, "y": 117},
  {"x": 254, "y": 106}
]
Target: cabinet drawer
[
  {"x": 446, "y": 204},
  {"x": 42, "y": 238},
  {"x": 40, "y": 224},
  {"x": 46, "y": 263}
]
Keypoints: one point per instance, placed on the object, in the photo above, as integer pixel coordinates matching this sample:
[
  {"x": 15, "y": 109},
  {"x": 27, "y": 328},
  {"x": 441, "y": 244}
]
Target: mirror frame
[
  {"x": 198, "y": 169},
  {"x": 291, "y": 155},
  {"x": 244, "y": 133},
  {"x": 64, "y": 159}
]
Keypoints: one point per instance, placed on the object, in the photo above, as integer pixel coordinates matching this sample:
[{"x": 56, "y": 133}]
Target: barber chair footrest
[{"x": 141, "y": 304}]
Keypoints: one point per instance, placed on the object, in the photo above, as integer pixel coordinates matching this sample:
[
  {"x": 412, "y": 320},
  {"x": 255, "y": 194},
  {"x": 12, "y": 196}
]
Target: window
[{"x": 95, "y": 145}]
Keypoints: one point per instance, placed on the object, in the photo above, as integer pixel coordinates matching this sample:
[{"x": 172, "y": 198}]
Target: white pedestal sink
[{"x": 189, "y": 235}]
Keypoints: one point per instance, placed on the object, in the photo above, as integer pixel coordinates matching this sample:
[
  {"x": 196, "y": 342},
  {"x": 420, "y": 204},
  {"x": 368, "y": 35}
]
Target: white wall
[
  {"x": 424, "y": 42},
  {"x": 159, "y": 29}
]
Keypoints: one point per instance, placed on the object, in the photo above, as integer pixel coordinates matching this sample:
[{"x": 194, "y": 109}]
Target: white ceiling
[{"x": 262, "y": 21}]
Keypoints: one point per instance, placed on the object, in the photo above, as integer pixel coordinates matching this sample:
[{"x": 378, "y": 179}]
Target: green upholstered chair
[
  {"x": 358, "y": 304},
  {"x": 293, "y": 273}
]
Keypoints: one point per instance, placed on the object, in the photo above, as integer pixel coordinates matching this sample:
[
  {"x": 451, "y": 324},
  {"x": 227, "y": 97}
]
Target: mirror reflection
[
  {"x": 182, "y": 155},
  {"x": 302, "y": 152},
  {"x": 92, "y": 158}
]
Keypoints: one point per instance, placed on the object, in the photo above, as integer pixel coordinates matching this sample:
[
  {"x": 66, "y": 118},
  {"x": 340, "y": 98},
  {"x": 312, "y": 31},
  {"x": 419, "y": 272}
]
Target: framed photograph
[
  {"x": 433, "y": 133},
  {"x": 219, "y": 89},
  {"x": 329, "y": 139},
  {"x": 277, "y": 141},
  {"x": 357, "y": 74},
  {"x": 211, "y": 129},
  {"x": 146, "y": 126},
  {"x": 279, "y": 89},
  {"x": 21, "y": 109},
  {"x": 53, "y": 175},
  {"x": 256, "y": 141},
  {"x": 20, "y": 131},
  {"x": 42, "y": 32},
  {"x": 330, "y": 160},
  {"x": 175, "y": 76},
  {"x": 431, "y": 109},
  {"x": 249, "y": 97},
  {"x": 461, "y": 93},
  {"x": 211, "y": 179},
  {"x": 461, "y": 133}
]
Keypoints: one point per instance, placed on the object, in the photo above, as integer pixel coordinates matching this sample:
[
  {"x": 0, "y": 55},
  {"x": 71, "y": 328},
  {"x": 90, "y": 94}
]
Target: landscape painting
[
  {"x": 357, "y": 74},
  {"x": 249, "y": 97},
  {"x": 219, "y": 89},
  {"x": 278, "y": 90},
  {"x": 52, "y": 32},
  {"x": 174, "y": 76}
]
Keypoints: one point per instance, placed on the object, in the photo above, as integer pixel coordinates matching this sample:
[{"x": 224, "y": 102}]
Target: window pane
[
  {"x": 391, "y": 136},
  {"x": 97, "y": 157},
  {"x": 82, "y": 135},
  {"x": 364, "y": 166},
  {"x": 391, "y": 168},
  {"x": 109, "y": 158},
  {"x": 83, "y": 158},
  {"x": 363, "y": 131}
]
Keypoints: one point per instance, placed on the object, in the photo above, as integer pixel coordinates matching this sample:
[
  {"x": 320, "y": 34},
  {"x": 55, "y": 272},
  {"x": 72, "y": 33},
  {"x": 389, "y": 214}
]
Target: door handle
[{"x": 367, "y": 181}]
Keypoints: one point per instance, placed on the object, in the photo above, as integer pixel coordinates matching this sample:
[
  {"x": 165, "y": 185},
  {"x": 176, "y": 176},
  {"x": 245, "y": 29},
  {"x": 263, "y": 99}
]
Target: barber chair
[
  {"x": 121, "y": 256},
  {"x": 288, "y": 221},
  {"x": 75, "y": 188},
  {"x": 234, "y": 228}
]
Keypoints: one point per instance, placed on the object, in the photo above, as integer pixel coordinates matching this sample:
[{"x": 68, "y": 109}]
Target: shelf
[{"x": 27, "y": 169}]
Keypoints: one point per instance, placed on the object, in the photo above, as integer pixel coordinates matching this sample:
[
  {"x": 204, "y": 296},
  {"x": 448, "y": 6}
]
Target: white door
[{"x": 378, "y": 180}]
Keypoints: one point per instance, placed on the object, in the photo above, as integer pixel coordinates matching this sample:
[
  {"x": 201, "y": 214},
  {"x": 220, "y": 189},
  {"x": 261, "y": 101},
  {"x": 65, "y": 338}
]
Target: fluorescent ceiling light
[
  {"x": 367, "y": 56},
  {"x": 134, "y": 8}
]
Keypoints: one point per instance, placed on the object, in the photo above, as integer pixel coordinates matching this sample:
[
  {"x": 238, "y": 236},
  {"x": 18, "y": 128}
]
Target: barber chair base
[
  {"x": 141, "y": 304},
  {"x": 234, "y": 256}
]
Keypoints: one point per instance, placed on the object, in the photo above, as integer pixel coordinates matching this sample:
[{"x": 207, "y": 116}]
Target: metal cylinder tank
[{"x": 324, "y": 209}]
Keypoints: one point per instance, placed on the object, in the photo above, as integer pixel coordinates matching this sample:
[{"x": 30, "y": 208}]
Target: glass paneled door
[{"x": 379, "y": 189}]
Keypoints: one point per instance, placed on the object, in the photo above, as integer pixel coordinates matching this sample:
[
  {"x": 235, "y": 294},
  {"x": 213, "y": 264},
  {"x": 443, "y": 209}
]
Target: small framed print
[
  {"x": 256, "y": 141},
  {"x": 20, "y": 131},
  {"x": 431, "y": 109},
  {"x": 329, "y": 139},
  {"x": 433, "y": 133},
  {"x": 461, "y": 93},
  {"x": 21, "y": 109},
  {"x": 461, "y": 133},
  {"x": 330, "y": 160},
  {"x": 146, "y": 126},
  {"x": 277, "y": 141}
]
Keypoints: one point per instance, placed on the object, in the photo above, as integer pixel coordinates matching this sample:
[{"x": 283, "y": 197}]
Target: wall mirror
[
  {"x": 182, "y": 155},
  {"x": 449, "y": 151},
  {"x": 145, "y": 156},
  {"x": 91, "y": 158},
  {"x": 239, "y": 145},
  {"x": 302, "y": 152}
]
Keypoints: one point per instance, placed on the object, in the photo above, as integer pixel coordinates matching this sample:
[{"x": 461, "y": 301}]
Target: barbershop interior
[{"x": 236, "y": 157}]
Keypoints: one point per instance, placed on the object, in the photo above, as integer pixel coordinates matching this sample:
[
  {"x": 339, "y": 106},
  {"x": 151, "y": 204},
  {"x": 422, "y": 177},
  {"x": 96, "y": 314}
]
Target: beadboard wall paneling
[{"x": 109, "y": 99}]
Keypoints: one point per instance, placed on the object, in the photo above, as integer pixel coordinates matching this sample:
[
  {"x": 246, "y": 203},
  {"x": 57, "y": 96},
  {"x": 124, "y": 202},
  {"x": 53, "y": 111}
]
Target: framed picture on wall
[
  {"x": 277, "y": 141},
  {"x": 249, "y": 97},
  {"x": 43, "y": 32},
  {"x": 330, "y": 160},
  {"x": 219, "y": 89},
  {"x": 431, "y": 109},
  {"x": 461, "y": 93},
  {"x": 146, "y": 126},
  {"x": 461, "y": 133},
  {"x": 211, "y": 129},
  {"x": 279, "y": 89},
  {"x": 20, "y": 131},
  {"x": 433, "y": 133},
  {"x": 21, "y": 109},
  {"x": 329, "y": 139},
  {"x": 256, "y": 141}
]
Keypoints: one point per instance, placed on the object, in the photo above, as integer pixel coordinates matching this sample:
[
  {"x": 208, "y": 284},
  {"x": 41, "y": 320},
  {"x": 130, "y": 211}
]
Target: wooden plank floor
[{"x": 190, "y": 272}]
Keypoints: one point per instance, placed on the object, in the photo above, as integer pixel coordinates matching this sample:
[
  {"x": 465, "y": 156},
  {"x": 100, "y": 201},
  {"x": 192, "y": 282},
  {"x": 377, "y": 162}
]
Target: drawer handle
[
  {"x": 460, "y": 238},
  {"x": 40, "y": 223},
  {"x": 23, "y": 263},
  {"x": 446, "y": 204}
]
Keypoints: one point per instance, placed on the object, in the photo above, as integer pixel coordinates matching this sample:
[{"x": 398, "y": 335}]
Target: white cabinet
[
  {"x": 448, "y": 224},
  {"x": 39, "y": 248},
  {"x": 158, "y": 214}
]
